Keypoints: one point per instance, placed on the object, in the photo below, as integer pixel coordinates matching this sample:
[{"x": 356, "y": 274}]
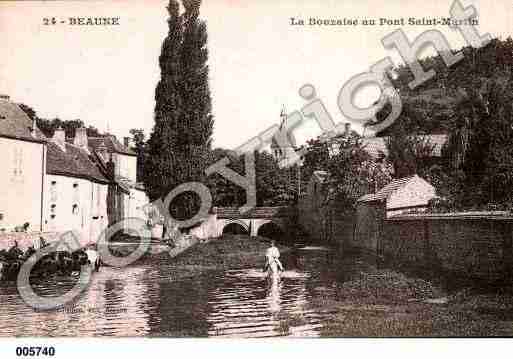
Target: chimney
[
  {"x": 59, "y": 138},
  {"x": 81, "y": 138},
  {"x": 126, "y": 142},
  {"x": 4, "y": 97},
  {"x": 34, "y": 128},
  {"x": 347, "y": 129},
  {"x": 103, "y": 152}
]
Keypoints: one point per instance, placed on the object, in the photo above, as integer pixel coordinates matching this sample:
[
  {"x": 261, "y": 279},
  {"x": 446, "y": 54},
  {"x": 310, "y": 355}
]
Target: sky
[{"x": 106, "y": 76}]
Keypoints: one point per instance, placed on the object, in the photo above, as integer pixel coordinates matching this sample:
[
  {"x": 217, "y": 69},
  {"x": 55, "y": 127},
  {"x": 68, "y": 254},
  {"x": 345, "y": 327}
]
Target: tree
[
  {"x": 48, "y": 127},
  {"x": 480, "y": 148},
  {"x": 139, "y": 148},
  {"x": 408, "y": 153},
  {"x": 275, "y": 186},
  {"x": 352, "y": 172},
  {"x": 316, "y": 158},
  {"x": 179, "y": 145},
  {"x": 226, "y": 193}
]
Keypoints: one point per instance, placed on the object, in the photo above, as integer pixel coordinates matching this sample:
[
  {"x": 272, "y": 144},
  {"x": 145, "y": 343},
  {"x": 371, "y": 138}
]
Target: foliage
[
  {"x": 275, "y": 186},
  {"x": 480, "y": 148},
  {"x": 138, "y": 139},
  {"x": 408, "y": 153},
  {"x": 225, "y": 193},
  {"x": 48, "y": 127},
  {"x": 352, "y": 172},
  {"x": 471, "y": 102},
  {"x": 179, "y": 145},
  {"x": 316, "y": 158},
  {"x": 430, "y": 107}
]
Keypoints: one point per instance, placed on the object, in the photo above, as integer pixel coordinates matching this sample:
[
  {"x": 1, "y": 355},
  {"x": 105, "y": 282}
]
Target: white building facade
[
  {"x": 54, "y": 185},
  {"x": 23, "y": 159}
]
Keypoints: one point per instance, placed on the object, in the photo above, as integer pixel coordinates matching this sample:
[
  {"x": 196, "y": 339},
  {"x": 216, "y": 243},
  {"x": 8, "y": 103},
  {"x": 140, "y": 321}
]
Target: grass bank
[
  {"x": 383, "y": 302},
  {"x": 227, "y": 252}
]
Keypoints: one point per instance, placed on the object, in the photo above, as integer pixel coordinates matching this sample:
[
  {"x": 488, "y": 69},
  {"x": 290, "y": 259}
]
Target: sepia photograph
[{"x": 255, "y": 169}]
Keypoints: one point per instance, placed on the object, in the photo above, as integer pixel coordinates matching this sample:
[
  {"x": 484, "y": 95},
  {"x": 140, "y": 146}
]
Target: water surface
[{"x": 160, "y": 299}]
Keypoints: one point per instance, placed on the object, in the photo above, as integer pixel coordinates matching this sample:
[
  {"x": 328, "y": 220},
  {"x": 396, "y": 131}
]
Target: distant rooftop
[
  {"x": 112, "y": 144},
  {"x": 376, "y": 146},
  {"x": 386, "y": 191},
  {"x": 75, "y": 162},
  {"x": 14, "y": 122}
]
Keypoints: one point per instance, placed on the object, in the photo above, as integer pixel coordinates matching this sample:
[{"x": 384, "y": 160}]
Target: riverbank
[
  {"x": 369, "y": 301},
  {"x": 227, "y": 252},
  {"x": 372, "y": 302},
  {"x": 217, "y": 288}
]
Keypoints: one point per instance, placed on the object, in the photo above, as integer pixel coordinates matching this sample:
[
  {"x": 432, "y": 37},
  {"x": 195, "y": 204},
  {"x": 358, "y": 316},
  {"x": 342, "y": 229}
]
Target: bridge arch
[
  {"x": 235, "y": 227},
  {"x": 271, "y": 230}
]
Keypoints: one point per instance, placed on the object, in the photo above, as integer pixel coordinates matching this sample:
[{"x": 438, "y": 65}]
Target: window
[
  {"x": 98, "y": 194},
  {"x": 74, "y": 209},
  {"x": 76, "y": 193},
  {"x": 18, "y": 163},
  {"x": 53, "y": 191}
]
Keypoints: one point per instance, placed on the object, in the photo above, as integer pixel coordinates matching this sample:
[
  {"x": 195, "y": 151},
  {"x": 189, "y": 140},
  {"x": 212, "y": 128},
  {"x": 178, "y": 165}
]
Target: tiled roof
[
  {"x": 112, "y": 144},
  {"x": 15, "y": 123},
  {"x": 376, "y": 146},
  {"x": 75, "y": 162},
  {"x": 386, "y": 191}
]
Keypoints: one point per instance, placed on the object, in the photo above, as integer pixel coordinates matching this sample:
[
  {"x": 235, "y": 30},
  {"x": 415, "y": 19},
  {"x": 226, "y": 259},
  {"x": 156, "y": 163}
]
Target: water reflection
[
  {"x": 159, "y": 299},
  {"x": 273, "y": 294}
]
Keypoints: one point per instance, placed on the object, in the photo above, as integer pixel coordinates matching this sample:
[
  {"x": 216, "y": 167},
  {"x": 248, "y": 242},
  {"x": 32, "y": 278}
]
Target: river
[{"x": 155, "y": 298}]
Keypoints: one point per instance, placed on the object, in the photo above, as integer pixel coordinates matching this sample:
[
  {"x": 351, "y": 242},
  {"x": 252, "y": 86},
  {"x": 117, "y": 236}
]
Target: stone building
[
  {"x": 56, "y": 185},
  {"x": 75, "y": 188},
  {"x": 23, "y": 159},
  {"x": 127, "y": 197},
  {"x": 403, "y": 195}
]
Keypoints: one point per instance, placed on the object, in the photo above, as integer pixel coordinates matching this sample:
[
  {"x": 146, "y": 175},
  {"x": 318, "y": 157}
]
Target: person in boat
[{"x": 273, "y": 255}]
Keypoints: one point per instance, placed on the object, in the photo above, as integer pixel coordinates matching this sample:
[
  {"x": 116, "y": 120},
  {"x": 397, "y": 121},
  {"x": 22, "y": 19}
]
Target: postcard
[{"x": 255, "y": 169}]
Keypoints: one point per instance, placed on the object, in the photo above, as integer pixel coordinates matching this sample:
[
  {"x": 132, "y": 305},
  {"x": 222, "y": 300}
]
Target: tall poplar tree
[{"x": 179, "y": 144}]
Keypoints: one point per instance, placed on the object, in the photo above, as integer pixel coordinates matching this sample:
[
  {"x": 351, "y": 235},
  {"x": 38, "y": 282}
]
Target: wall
[
  {"x": 328, "y": 223},
  {"x": 20, "y": 183},
  {"x": 138, "y": 201},
  {"x": 75, "y": 204},
  {"x": 310, "y": 217},
  {"x": 369, "y": 225},
  {"x": 475, "y": 246},
  {"x": 125, "y": 166},
  {"x": 311, "y": 211},
  {"x": 26, "y": 240},
  {"x": 208, "y": 228}
]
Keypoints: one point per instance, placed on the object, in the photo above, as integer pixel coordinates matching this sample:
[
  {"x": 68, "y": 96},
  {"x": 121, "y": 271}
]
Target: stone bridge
[{"x": 263, "y": 221}]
